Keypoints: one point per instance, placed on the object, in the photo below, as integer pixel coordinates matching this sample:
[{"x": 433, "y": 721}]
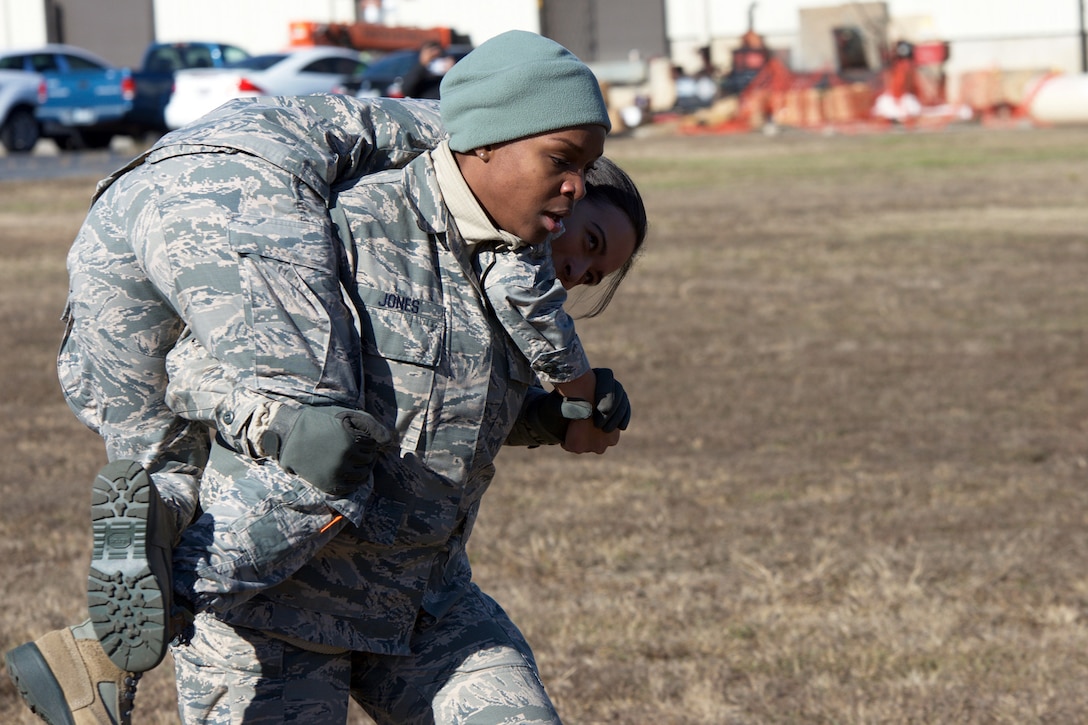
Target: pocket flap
[
  {"x": 307, "y": 244},
  {"x": 401, "y": 327}
]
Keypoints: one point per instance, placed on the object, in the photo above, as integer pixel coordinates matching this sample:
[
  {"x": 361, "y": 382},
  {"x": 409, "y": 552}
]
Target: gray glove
[
  {"x": 610, "y": 410},
  {"x": 330, "y": 447}
]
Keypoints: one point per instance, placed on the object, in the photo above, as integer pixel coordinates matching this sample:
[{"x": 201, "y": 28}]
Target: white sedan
[{"x": 313, "y": 70}]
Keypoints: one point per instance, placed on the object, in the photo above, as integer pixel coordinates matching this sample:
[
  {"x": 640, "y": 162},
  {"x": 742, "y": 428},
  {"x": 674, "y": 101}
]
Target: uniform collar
[{"x": 472, "y": 222}]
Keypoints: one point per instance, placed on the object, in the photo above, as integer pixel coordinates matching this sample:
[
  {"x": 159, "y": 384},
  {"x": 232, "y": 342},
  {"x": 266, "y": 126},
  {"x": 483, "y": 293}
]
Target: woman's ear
[{"x": 484, "y": 153}]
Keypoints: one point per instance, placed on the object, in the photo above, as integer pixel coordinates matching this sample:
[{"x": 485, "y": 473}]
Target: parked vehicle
[
  {"x": 84, "y": 101},
  {"x": 383, "y": 76},
  {"x": 19, "y": 130},
  {"x": 155, "y": 78},
  {"x": 313, "y": 70}
]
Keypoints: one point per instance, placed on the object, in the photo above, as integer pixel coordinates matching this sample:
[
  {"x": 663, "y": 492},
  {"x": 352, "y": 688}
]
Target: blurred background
[{"x": 719, "y": 66}]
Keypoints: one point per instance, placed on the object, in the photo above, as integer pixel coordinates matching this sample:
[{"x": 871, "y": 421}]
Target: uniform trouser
[
  {"x": 471, "y": 667},
  {"x": 235, "y": 252}
]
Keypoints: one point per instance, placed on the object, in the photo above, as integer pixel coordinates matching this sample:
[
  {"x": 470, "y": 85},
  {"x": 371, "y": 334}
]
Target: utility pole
[
  {"x": 1083, "y": 41},
  {"x": 706, "y": 22}
]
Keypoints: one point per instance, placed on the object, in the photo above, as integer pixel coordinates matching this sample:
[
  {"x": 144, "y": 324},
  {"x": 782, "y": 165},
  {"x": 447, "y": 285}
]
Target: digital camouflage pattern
[
  {"x": 250, "y": 540},
  {"x": 222, "y": 228},
  {"x": 227, "y": 676},
  {"x": 444, "y": 376},
  {"x": 216, "y": 244},
  {"x": 527, "y": 297},
  {"x": 470, "y": 666},
  {"x": 518, "y": 279},
  {"x": 440, "y": 372}
]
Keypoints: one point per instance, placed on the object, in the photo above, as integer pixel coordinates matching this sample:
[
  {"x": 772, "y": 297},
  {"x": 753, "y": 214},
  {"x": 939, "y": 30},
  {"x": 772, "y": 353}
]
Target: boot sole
[
  {"x": 36, "y": 684},
  {"x": 128, "y": 593}
]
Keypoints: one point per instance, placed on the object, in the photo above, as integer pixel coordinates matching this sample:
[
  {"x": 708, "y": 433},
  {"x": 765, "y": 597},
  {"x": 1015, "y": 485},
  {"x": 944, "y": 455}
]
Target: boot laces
[{"x": 128, "y": 697}]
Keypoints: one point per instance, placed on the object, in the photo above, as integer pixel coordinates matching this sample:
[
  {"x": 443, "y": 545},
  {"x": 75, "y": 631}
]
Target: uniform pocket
[
  {"x": 303, "y": 334},
  {"x": 403, "y": 339},
  {"x": 75, "y": 377}
]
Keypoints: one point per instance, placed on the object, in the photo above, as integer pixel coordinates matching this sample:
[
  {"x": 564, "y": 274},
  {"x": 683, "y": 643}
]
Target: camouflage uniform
[
  {"x": 527, "y": 297},
  {"x": 519, "y": 281},
  {"x": 268, "y": 540},
  {"x": 395, "y": 589},
  {"x": 470, "y": 666},
  {"x": 223, "y": 227}
]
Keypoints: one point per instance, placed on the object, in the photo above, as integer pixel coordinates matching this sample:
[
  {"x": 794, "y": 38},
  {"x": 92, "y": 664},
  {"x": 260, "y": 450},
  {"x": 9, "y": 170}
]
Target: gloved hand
[
  {"x": 611, "y": 407},
  {"x": 331, "y": 447},
  {"x": 610, "y": 410}
]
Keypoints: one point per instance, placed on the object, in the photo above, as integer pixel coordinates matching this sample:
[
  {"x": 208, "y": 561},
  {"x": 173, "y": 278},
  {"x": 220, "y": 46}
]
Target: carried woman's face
[{"x": 599, "y": 239}]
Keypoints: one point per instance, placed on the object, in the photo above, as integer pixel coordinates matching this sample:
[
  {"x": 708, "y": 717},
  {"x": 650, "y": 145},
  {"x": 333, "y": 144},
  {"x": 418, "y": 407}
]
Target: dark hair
[{"x": 607, "y": 183}]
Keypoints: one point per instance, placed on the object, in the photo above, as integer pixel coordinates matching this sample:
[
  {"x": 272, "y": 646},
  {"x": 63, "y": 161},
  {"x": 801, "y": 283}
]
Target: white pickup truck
[{"x": 19, "y": 128}]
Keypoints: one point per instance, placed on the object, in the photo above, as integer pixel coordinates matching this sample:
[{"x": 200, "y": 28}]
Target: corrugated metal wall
[{"x": 606, "y": 30}]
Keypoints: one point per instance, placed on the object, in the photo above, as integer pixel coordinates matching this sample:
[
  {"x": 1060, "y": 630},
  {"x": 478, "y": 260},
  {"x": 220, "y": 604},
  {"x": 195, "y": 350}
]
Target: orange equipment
[
  {"x": 368, "y": 36},
  {"x": 917, "y": 69}
]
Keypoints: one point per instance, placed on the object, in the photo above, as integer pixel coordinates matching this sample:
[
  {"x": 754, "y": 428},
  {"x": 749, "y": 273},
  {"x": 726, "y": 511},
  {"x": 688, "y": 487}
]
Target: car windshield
[
  {"x": 259, "y": 62},
  {"x": 170, "y": 57}
]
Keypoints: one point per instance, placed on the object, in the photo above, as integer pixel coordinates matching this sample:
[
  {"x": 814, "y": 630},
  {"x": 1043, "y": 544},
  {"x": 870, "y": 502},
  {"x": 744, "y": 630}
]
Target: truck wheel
[{"x": 20, "y": 131}]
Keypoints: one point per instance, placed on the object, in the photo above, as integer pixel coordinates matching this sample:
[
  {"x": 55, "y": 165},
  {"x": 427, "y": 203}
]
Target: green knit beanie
[{"x": 515, "y": 85}]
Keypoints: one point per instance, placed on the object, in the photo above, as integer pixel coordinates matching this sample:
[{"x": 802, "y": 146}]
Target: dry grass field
[{"x": 854, "y": 490}]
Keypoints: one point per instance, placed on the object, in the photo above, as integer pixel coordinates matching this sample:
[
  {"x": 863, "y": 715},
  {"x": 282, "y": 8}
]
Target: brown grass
[{"x": 854, "y": 488}]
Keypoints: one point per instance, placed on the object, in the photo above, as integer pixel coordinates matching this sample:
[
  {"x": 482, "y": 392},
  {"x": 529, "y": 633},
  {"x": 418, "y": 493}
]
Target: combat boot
[
  {"x": 129, "y": 588},
  {"x": 66, "y": 679}
]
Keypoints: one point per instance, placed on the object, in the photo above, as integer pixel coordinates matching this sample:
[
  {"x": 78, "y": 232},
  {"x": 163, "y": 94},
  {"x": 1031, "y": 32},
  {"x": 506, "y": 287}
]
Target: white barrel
[{"x": 1060, "y": 99}]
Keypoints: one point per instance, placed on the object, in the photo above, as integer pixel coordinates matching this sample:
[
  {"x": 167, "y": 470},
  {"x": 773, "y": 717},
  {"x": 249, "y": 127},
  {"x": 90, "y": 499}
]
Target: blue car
[
  {"x": 19, "y": 130},
  {"x": 86, "y": 101}
]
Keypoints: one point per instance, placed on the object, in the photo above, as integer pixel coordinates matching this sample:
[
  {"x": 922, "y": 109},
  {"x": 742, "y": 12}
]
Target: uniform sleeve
[
  {"x": 524, "y": 432},
  {"x": 528, "y": 300},
  {"x": 322, "y": 139},
  {"x": 200, "y": 388}
]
